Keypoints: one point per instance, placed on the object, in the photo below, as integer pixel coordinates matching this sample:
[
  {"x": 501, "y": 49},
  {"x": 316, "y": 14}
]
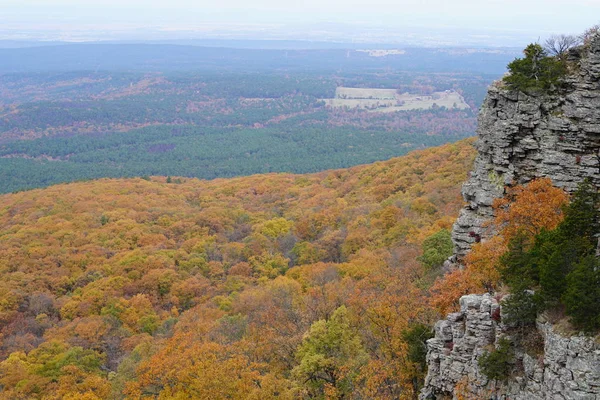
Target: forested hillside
[{"x": 268, "y": 286}]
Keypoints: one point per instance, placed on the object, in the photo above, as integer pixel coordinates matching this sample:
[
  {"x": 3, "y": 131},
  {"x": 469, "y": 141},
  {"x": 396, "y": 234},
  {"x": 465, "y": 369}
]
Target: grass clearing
[{"x": 388, "y": 100}]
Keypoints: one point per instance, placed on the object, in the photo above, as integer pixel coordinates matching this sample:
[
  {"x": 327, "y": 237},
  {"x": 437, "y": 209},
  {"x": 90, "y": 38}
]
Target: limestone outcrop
[
  {"x": 525, "y": 136},
  {"x": 522, "y": 137},
  {"x": 569, "y": 367}
]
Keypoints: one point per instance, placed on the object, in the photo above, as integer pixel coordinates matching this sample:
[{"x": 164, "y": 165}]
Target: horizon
[{"x": 461, "y": 23}]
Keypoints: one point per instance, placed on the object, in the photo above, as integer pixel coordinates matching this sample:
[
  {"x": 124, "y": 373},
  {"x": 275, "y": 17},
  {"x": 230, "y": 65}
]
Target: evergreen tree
[
  {"x": 582, "y": 297},
  {"x": 416, "y": 337},
  {"x": 517, "y": 268},
  {"x": 498, "y": 364},
  {"x": 574, "y": 239},
  {"x": 520, "y": 309},
  {"x": 582, "y": 218},
  {"x": 536, "y": 71}
]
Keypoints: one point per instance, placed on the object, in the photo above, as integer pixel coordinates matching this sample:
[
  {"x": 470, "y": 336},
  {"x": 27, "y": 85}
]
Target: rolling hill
[{"x": 140, "y": 288}]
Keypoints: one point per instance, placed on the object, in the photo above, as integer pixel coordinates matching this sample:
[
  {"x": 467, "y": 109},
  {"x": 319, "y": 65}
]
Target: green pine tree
[
  {"x": 582, "y": 297},
  {"x": 536, "y": 71}
]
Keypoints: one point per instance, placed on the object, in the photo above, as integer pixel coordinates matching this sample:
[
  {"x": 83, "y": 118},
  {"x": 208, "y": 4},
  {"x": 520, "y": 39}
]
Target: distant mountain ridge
[{"x": 154, "y": 57}]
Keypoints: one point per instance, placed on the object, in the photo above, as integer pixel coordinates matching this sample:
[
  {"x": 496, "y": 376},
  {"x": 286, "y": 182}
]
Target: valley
[
  {"x": 130, "y": 116},
  {"x": 179, "y": 222}
]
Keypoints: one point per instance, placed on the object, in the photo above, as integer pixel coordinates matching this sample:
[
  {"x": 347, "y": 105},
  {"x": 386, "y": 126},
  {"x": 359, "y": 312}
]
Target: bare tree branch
[
  {"x": 558, "y": 45},
  {"x": 589, "y": 33}
]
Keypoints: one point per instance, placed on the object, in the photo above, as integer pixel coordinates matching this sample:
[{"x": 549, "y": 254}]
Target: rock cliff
[
  {"x": 522, "y": 137},
  {"x": 569, "y": 367}
]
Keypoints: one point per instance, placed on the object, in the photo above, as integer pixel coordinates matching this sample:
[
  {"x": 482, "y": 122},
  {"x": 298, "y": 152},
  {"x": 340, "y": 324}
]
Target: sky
[{"x": 20, "y": 18}]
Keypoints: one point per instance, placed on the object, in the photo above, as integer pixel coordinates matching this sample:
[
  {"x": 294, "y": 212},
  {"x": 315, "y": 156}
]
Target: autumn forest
[
  {"x": 170, "y": 231},
  {"x": 297, "y": 285}
]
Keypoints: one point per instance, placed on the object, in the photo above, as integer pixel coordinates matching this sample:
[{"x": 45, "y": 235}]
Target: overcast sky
[{"x": 543, "y": 16}]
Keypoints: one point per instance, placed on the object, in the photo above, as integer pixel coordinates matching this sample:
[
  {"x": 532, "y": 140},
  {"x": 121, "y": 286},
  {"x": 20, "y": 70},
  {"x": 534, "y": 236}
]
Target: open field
[
  {"x": 383, "y": 53},
  {"x": 369, "y": 104},
  {"x": 364, "y": 93},
  {"x": 388, "y": 100},
  {"x": 63, "y": 127}
]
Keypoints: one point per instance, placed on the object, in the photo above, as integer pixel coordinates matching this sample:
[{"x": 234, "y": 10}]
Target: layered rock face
[
  {"x": 522, "y": 137},
  {"x": 568, "y": 369}
]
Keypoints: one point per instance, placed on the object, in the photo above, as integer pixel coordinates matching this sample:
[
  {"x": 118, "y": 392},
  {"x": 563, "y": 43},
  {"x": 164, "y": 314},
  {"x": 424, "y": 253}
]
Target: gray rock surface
[
  {"x": 568, "y": 369},
  {"x": 522, "y": 137}
]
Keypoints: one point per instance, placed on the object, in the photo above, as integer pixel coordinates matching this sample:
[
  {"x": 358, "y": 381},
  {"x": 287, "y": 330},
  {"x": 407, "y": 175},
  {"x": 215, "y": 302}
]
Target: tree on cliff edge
[{"x": 536, "y": 71}]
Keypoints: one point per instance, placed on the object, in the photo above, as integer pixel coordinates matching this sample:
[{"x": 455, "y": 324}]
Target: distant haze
[{"x": 493, "y": 22}]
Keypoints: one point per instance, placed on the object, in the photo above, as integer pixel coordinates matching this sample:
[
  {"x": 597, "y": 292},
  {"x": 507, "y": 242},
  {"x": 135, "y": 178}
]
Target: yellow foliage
[
  {"x": 75, "y": 384},
  {"x": 275, "y": 228},
  {"x": 186, "y": 370},
  {"x": 204, "y": 289}
]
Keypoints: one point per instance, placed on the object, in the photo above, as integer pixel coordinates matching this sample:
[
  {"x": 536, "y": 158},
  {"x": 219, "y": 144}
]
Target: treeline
[
  {"x": 22, "y": 88},
  {"x": 52, "y": 118},
  {"x": 256, "y": 85},
  {"x": 81, "y": 103},
  {"x": 205, "y": 152}
]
